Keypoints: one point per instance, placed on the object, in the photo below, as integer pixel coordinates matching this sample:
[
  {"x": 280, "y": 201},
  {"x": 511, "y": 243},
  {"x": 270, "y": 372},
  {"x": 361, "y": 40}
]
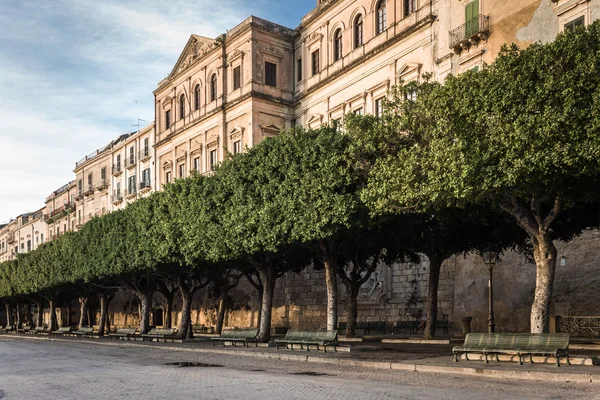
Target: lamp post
[{"x": 490, "y": 258}]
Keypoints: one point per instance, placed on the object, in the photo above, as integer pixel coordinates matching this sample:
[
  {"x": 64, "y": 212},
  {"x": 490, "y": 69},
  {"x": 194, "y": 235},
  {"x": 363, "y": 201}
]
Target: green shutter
[{"x": 472, "y": 18}]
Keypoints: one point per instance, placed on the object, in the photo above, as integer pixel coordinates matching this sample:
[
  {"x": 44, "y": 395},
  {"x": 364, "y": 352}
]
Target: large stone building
[{"x": 231, "y": 92}]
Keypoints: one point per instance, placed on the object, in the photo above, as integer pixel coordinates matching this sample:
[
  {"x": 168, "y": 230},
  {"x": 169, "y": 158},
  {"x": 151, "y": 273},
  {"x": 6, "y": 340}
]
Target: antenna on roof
[{"x": 138, "y": 123}]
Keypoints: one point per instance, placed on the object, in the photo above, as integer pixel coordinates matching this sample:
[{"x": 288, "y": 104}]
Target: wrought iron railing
[
  {"x": 580, "y": 326},
  {"x": 474, "y": 28}
]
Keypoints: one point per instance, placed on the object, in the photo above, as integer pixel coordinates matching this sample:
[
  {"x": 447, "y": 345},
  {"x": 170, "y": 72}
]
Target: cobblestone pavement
[{"x": 52, "y": 370}]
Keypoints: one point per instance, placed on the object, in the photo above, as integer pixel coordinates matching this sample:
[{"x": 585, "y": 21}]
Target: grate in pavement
[
  {"x": 194, "y": 364},
  {"x": 311, "y": 373}
]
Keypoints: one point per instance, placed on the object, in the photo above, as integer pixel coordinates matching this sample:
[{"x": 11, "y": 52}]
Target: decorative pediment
[
  {"x": 166, "y": 102},
  {"x": 313, "y": 37},
  {"x": 181, "y": 154},
  {"x": 195, "y": 48},
  {"x": 236, "y": 133},
  {"x": 272, "y": 51},
  {"x": 270, "y": 130},
  {"x": 168, "y": 165},
  {"x": 409, "y": 69},
  {"x": 315, "y": 118},
  {"x": 196, "y": 147},
  {"x": 235, "y": 55},
  {"x": 379, "y": 86},
  {"x": 213, "y": 141}
]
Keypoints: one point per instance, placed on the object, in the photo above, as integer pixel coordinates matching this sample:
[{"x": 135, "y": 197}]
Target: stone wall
[{"x": 398, "y": 293}]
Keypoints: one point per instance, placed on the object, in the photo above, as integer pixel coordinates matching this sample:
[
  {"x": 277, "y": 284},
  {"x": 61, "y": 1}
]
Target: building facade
[{"x": 60, "y": 212}]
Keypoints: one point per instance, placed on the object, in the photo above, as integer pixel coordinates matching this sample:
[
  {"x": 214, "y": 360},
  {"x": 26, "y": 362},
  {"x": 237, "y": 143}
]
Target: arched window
[
  {"x": 381, "y": 17},
  {"x": 337, "y": 45},
  {"x": 182, "y": 106},
  {"x": 213, "y": 87},
  {"x": 358, "y": 31},
  {"x": 197, "y": 97}
]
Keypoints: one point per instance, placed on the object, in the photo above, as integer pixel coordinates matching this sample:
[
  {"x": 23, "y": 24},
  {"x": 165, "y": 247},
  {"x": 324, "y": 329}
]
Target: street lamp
[{"x": 489, "y": 258}]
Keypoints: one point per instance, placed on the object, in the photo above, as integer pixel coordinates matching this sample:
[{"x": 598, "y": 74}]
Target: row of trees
[{"x": 507, "y": 157}]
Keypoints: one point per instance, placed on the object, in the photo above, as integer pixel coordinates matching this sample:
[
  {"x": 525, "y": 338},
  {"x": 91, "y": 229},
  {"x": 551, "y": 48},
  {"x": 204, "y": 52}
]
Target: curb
[{"x": 522, "y": 374}]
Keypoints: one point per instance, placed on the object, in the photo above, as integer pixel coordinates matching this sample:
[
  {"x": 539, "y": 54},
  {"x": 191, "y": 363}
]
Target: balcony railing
[
  {"x": 145, "y": 186},
  {"x": 130, "y": 162},
  {"x": 60, "y": 212},
  {"x": 89, "y": 191},
  {"x": 116, "y": 169},
  {"x": 11, "y": 238},
  {"x": 470, "y": 33},
  {"x": 144, "y": 154},
  {"x": 131, "y": 191},
  {"x": 117, "y": 197},
  {"x": 103, "y": 184}
]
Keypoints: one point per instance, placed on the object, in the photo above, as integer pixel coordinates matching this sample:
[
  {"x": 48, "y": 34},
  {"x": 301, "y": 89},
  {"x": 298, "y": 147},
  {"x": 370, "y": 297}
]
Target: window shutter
[{"x": 471, "y": 18}]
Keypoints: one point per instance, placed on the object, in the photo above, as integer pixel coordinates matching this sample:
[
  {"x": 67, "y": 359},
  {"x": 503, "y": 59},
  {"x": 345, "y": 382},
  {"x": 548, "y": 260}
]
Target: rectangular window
[
  {"x": 237, "y": 78},
  {"x": 103, "y": 173},
  {"x": 118, "y": 192},
  {"x": 237, "y": 147},
  {"x": 131, "y": 155},
  {"x": 118, "y": 162},
  {"x": 80, "y": 185},
  {"x": 146, "y": 178},
  {"x": 167, "y": 177},
  {"x": 167, "y": 119},
  {"x": 181, "y": 170},
  {"x": 131, "y": 187},
  {"x": 146, "y": 147},
  {"x": 315, "y": 62},
  {"x": 212, "y": 159},
  {"x": 379, "y": 107},
  {"x": 197, "y": 164},
  {"x": 299, "y": 69},
  {"x": 358, "y": 111},
  {"x": 42, "y": 237},
  {"x": 570, "y": 26},
  {"x": 270, "y": 74},
  {"x": 29, "y": 245},
  {"x": 89, "y": 179},
  {"x": 409, "y": 7}
]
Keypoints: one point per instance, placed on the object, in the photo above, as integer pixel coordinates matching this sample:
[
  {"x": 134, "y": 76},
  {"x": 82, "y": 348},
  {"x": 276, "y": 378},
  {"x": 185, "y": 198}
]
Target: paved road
[{"x": 58, "y": 370}]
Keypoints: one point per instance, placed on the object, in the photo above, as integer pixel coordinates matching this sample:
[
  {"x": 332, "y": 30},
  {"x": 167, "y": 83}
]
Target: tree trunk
[
  {"x": 544, "y": 253},
  {"x": 39, "y": 317},
  {"x": 145, "y": 300},
  {"x": 9, "y": 319},
  {"x": 19, "y": 321},
  {"x": 53, "y": 320},
  {"x": 269, "y": 279},
  {"x": 351, "y": 308},
  {"x": 186, "y": 308},
  {"x": 435, "y": 265},
  {"x": 221, "y": 310},
  {"x": 332, "y": 294},
  {"x": 168, "y": 321},
  {"x": 259, "y": 311},
  {"x": 83, "y": 311},
  {"x": 104, "y": 323}
]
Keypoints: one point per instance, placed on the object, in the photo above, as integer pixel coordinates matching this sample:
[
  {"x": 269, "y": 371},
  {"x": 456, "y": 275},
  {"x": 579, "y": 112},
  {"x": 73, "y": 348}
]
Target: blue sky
[{"x": 75, "y": 74}]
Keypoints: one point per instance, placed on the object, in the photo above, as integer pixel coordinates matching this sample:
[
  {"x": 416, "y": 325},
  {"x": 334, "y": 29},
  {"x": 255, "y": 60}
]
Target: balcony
[
  {"x": 470, "y": 33},
  {"x": 144, "y": 154},
  {"x": 145, "y": 186},
  {"x": 11, "y": 238},
  {"x": 131, "y": 192},
  {"x": 103, "y": 185},
  {"x": 116, "y": 169},
  {"x": 79, "y": 195},
  {"x": 89, "y": 191},
  {"x": 59, "y": 213},
  {"x": 130, "y": 162},
  {"x": 117, "y": 197}
]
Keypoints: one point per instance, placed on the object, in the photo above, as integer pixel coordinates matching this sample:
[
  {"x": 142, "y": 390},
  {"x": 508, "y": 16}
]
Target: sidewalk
[{"x": 428, "y": 358}]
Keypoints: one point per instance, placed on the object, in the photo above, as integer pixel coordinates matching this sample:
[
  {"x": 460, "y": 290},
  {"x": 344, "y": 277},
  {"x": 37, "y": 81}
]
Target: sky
[{"x": 76, "y": 74}]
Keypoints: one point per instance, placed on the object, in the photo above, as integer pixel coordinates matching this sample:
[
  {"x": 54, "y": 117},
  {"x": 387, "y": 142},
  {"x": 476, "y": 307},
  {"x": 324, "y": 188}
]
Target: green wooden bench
[
  {"x": 62, "y": 331},
  {"x": 24, "y": 329},
  {"x": 307, "y": 338},
  {"x": 159, "y": 333},
  {"x": 237, "y": 335},
  {"x": 85, "y": 331},
  {"x": 7, "y": 329},
  {"x": 123, "y": 333},
  {"x": 520, "y": 344},
  {"x": 39, "y": 330},
  {"x": 202, "y": 329}
]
